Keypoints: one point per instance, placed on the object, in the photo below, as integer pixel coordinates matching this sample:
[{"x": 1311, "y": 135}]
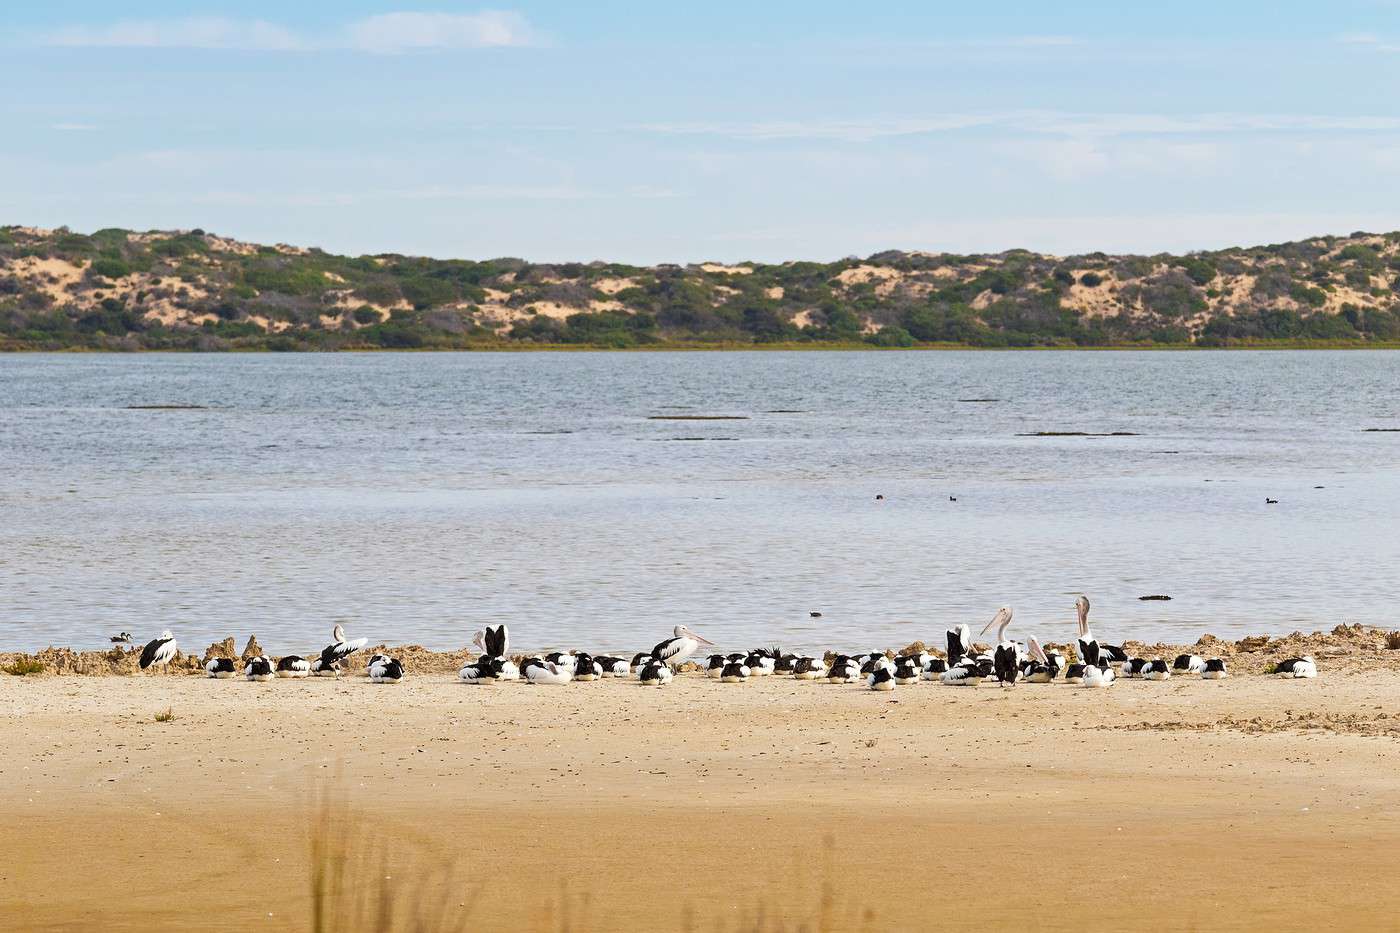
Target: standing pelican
[
  {"x": 1004, "y": 659},
  {"x": 159, "y": 651},
  {"x": 1088, "y": 643},
  {"x": 338, "y": 650},
  {"x": 680, "y": 646},
  {"x": 959, "y": 643}
]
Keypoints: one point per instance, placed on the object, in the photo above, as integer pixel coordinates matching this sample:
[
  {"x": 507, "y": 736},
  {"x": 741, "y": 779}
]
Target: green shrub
[
  {"x": 109, "y": 268},
  {"x": 23, "y": 667}
]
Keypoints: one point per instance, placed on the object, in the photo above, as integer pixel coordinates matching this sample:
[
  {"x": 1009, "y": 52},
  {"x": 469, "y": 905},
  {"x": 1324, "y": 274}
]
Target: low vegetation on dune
[{"x": 191, "y": 290}]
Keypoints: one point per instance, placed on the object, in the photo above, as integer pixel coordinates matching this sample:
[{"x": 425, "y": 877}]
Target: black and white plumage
[
  {"x": 1006, "y": 656},
  {"x": 735, "y": 672},
  {"x": 1074, "y": 674},
  {"x": 613, "y": 667},
  {"x": 494, "y": 643},
  {"x": 1098, "y": 675},
  {"x": 784, "y": 664},
  {"x": 484, "y": 670},
  {"x": 320, "y": 667},
  {"x": 640, "y": 660},
  {"x": 656, "y": 674},
  {"x": 385, "y": 670},
  {"x": 1215, "y": 670},
  {"x": 680, "y": 646},
  {"x": 159, "y": 651},
  {"x": 220, "y": 668},
  {"x": 934, "y": 668},
  {"x": 585, "y": 668},
  {"x": 337, "y": 651},
  {"x": 540, "y": 671},
  {"x": 294, "y": 666},
  {"x": 907, "y": 671},
  {"x": 959, "y": 643},
  {"x": 1189, "y": 663},
  {"x": 876, "y": 662},
  {"x": 969, "y": 673},
  {"x": 714, "y": 665},
  {"x": 122, "y": 638},
  {"x": 844, "y": 670},
  {"x": 562, "y": 658},
  {"x": 1156, "y": 669},
  {"x": 258, "y": 669},
  {"x": 1304, "y": 667},
  {"x": 1133, "y": 668},
  {"x": 882, "y": 678},
  {"x": 762, "y": 662},
  {"x": 808, "y": 669},
  {"x": 1039, "y": 667}
]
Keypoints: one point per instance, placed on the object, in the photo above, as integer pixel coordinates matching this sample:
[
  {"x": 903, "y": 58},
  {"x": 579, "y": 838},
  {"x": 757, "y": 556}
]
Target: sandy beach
[{"x": 1246, "y": 803}]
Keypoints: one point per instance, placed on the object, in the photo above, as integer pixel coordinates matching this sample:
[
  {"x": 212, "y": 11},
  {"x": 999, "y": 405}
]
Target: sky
[{"x": 650, "y": 132}]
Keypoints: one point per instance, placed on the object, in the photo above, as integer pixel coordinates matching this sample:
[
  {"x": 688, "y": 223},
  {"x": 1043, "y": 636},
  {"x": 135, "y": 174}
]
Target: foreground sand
[{"x": 1247, "y": 803}]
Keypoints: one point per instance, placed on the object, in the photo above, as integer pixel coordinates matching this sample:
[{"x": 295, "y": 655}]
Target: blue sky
[{"x": 645, "y": 132}]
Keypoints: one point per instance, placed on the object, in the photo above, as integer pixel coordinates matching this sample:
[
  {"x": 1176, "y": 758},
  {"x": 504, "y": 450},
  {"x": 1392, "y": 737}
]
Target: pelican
[
  {"x": 1215, "y": 670},
  {"x": 537, "y": 671},
  {"x": 762, "y": 662},
  {"x": 159, "y": 652},
  {"x": 808, "y": 669},
  {"x": 1191, "y": 663},
  {"x": 1156, "y": 669},
  {"x": 640, "y": 660},
  {"x": 486, "y": 670},
  {"x": 219, "y": 668},
  {"x": 1087, "y": 642},
  {"x": 122, "y": 638},
  {"x": 785, "y": 663},
  {"x": 882, "y": 678},
  {"x": 323, "y": 668},
  {"x": 1293, "y": 667},
  {"x": 1134, "y": 667},
  {"x": 293, "y": 665},
  {"x": 959, "y": 643},
  {"x": 585, "y": 668},
  {"x": 966, "y": 674},
  {"x": 562, "y": 658},
  {"x": 906, "y": 671},
  {"x": 934, "y": 668},
  {"x": 656, "y": 674},
  {"x": 715, "y": 665},
  {"x": 614, "y": 667},
  {"x": 495, "y": 644},
  {"x": 1005, "y": 660},
  {"x": 876, "y": 662},
  {"x": 735, "y": 672},
  {"x": 682, "y": 645},
  {"x": 385, "y": 670},
  {"x": 1074, "y": 674},
  {"x": 1098, "y": 675},
  {"x": 338, "y": 650},
  {"x": 1039, "y": 667},
  {"x": 843, "y": 670},
  {"x": 258, "y": 669}
]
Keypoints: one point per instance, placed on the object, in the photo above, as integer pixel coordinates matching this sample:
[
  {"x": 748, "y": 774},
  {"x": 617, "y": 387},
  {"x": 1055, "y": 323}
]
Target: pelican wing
[
  {"x": 154, "y": 652},
  {"x": 667, "y": 649}
]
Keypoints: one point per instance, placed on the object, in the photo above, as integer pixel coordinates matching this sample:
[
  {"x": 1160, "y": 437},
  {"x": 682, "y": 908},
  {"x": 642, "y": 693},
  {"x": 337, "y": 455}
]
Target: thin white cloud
[
  {"x": 1369, "y": 40},
  {"x": 73, "y": 127},
  {"x": 1077, "y": 125},
  {"x": 388, "y": 33}
]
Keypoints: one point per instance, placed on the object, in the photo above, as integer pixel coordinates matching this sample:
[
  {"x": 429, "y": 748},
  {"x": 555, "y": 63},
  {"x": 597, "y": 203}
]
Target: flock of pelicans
[{"x": 963, "y": 666}]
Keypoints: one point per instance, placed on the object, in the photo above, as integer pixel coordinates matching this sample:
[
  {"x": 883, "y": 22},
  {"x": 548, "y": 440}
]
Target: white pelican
[
  {"x": 159, "y": 652},
  {"x": 385, "y": 670},
  {"x": 843, "y": 670},
  {"x": 808, "y": 669},
  {"x": 293, "y": 665},
  {"x": 882, "y": 678},
  {"x": 1156, "y": 669},
  {"x": 959, "y": 643},
  {"x": 735, "y": 672},
  {"x": 656, "y": 674},
  {"x": 585, "y": 668},
  {"x": 338, "y": 651},
  {"x": 1039, "y": 668},
  {"x": 1190, "y": 663},
  {"x": 966, "y": 674},
  {"x": 761, "y": 663},
  {"x": 258, "y": 669},
  {"x": 1215, "y": 670},
  {"x": 876, "y": 661},
  {"x": 537, "y": 671},
  {"x": 680, "y": 646},
  {"x": 1088, "y": 644},
  {"x": 785, "y": 663},
  {"x": 219, "y": 668},
  {"x": 1005, "y": 660},
  {"x": 562, "y": 658},
  {"x": 640, "y": 660},
  {"x": 1098, "y": 675},
  {"x": 1293, "y": 667}
]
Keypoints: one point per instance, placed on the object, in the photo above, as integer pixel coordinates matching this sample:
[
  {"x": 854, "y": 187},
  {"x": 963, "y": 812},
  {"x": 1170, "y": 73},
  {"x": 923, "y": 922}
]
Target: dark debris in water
[
  {"x": 1079, "y": 434},
  {"x": 1382, "y": 431},
  {"x": 982, "y": 401},
  {"x": 1155, "y": 598},
  {"x": 697, "y": 417},
  {"x": 167, "y": 408}
]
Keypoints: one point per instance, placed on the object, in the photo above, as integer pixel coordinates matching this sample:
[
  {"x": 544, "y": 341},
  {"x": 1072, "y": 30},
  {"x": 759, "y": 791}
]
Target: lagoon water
[{"x": 417, "y": 497}]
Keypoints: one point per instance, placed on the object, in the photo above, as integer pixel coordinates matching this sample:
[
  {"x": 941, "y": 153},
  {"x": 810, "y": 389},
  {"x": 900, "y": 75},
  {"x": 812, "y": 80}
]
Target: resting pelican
[
  {"x": 485, "y": 670},
  {"x": 1039, "y": 668},
  {"x": 843, "y": 670},
  {"x": 159, "y": 652},
  {"x": 1134, "y": 667},
  {"x": 881, "y": 679},
  {"x": 1156, "y": 669},
  {"x": 934, "y": 668},
  {"x": 537, "y": 671},
  {"x": 1215, "y": 670},
  {"x": 258, "y": 669},
  {"x": 293, "y": 665},
  {"x": 338, "y": 650},
  {"x": 1191, "y": 663},
  {"x": 735, "y": 672},
  {"x": 1294, "y": 667},
  {"x": 613, "y": 667},
  {"x": 1004, "y": 659},
  {"x": 808, "y": 669},
  {"x": 656, "y": 674},
  {"x": 1098, "y": 675},
  {"x": 219, "y": 668},
  {"x": 680, "y": 646},
  {"x": 906, "y": 671},
  {"x": 385, "y": 670}
]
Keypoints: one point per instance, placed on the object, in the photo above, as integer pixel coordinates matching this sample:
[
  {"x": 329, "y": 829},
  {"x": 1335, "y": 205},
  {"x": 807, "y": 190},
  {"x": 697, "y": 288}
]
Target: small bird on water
[{"x": 1268, "y": 501}]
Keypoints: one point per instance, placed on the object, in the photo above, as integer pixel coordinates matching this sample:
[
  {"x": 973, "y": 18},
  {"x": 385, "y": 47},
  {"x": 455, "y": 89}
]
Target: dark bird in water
[
  {"x": 879, "y": 498},
  {"x": 1268, "y": 501},
  {"x": 815, "y": 614},
  {"x": 952, "y": 498},
  {"x": 122, "y": 638}
]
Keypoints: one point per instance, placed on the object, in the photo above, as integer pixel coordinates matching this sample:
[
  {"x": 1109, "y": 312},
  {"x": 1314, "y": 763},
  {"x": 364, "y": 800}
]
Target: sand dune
[{"x": 1244, "y": 803}]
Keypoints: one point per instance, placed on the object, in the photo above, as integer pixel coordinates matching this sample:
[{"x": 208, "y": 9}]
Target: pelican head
[
  {"x": 1081, "y": 606},
  {"x": 683, "y": 631},
  {"x": 338, "y": 633},
  {"x": 479, "y": 639},
  {"x": 166, "y": 634},
  {"x": 1000, "y": 621}
]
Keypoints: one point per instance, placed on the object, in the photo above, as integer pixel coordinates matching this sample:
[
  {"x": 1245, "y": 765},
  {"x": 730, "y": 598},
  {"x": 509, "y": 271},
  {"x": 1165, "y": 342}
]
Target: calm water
[{"x": 418, "y": 497}]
